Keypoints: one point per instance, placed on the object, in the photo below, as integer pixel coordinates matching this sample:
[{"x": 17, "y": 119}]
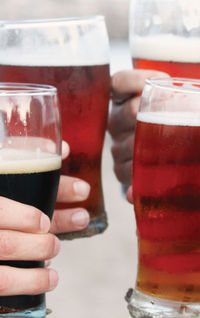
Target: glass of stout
[
  {"x": 30, "y": 162},
  {"x": 166, "y": 196},
  {"x": 72, "y": 55},
  {"x": 165, "y": 36}
]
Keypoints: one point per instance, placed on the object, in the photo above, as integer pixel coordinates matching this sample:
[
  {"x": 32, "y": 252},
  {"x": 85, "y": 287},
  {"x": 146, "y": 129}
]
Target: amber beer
[
  {"x": 83, "y": 92},
  {"x": 175, "y": 55},
  {"x": 166, "y": 184},
  {"x": 33, "y": 181}
]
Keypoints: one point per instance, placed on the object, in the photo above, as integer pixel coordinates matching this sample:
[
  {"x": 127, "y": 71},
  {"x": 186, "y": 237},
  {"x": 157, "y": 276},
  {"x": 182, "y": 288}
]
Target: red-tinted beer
[
  {"x": 175, "y": 55},
  {"x": 83, "y": 93},
  {"x": 181, "y": 69},
  {"x": 166, "y": 185}
]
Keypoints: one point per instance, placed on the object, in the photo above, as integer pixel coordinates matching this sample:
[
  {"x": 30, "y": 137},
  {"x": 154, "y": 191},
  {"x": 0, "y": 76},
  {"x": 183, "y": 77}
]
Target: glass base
[
  {"x": 146, "y": 306},
  {"x": 38, "y": 312},
  {"x": 96, "y": 226}
]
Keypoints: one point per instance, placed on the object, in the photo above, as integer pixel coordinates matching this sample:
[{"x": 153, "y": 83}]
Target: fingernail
[
  {"x": 44, "y": 223},
  {"x": 65, "y": 148},
  {"x": 53, "y": 279},
  {"x": 80, "y": 218},
  {"x": 81, "y": 189},
  {"x": 56, "y": 246}
]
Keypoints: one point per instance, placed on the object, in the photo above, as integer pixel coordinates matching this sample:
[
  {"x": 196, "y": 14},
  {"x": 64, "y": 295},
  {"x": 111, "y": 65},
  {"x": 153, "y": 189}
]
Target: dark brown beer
[
  {"x": 84, "y": 95},
  {"x": 166, "y": 185},
  {"x": 33, "y": 182}
]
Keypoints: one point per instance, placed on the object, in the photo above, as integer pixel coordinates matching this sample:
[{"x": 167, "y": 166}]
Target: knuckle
[
  {"x": 134, "y": 106},
  {"x": 111, "y": 125},
  {"x": 115, "y": 80},
  {"x": 4, "y": 281},
  {"x": 40, "y": 283},
  {"x": 7, "y": 244},
  {"x": 47, "y": 247},
  {"x": 33, "y": 217},
  {"x": 117, "y": 170},
  {"x": 114, "y": 149},
  {"x": 130, "y": 143},
  {"x": 57, "y": 226}
]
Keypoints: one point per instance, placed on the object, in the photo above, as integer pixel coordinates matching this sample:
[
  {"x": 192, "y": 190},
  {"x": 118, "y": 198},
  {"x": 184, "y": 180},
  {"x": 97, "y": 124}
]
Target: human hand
[
  {"x": 24, "y": 236},
  {"x": 129, "y": 195},
  {"x": 127, "y": 87},
  {"x": 70, "y": 190}
]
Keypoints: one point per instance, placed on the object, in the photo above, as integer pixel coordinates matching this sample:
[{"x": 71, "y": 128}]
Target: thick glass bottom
[
  {"x": 96, "y": 226},
  {"x": 37, "y": 312},
  {"x": 144, "y": 306}
]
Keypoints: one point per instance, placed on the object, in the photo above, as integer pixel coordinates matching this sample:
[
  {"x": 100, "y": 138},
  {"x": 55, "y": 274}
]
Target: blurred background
[{"x": 95, "y": 273}]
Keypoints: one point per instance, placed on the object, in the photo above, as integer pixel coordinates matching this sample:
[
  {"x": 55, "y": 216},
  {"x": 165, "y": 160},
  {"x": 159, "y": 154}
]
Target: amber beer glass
[
  {"x": 166, "y": 196},
  {"x": 165, "y": 36},
  {"x": 30, "y": 162},
  {"x": 73, "y": 55}
]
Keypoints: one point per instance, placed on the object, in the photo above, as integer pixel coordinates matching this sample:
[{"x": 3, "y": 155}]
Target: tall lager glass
[
  {"x": 73, "y": 55},
  {"x": 165, "y": 36},
  {"x": 30, "y": 162},
  {"x": 166, "y": 195}
]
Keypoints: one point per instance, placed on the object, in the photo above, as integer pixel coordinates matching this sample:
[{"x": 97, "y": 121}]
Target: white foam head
[
  {"x": 166, "y": 47},
  {"x": 170, "y": 118},
  {"x": 26, "y": 161},
  {"x": 64, "y": 42},
  {"x": 28, "y": 155}
]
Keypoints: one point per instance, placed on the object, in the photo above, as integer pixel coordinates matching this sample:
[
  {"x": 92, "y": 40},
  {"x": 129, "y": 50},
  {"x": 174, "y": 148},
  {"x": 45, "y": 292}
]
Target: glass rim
[
  {"x": 178, "y": 84},
  {"x": 16, "y": 89},
  {"x": 62, "y": 20}
]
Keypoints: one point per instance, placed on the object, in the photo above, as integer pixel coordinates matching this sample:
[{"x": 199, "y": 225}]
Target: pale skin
[
  {"x": 28, "y": 234},
  {"x": 127, "y": 87}
]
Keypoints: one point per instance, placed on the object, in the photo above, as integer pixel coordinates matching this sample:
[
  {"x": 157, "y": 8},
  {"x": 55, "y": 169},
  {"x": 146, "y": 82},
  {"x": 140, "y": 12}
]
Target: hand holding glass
[{"x": 30, "y": 161}]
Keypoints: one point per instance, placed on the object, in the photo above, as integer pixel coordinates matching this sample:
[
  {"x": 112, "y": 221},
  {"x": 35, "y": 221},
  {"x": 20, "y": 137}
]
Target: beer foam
[
  {"x": 50, "y": 57},
  {"x": 170, "y": 118},
  {"x": 166, "y": 47},
  {"x": 27, "y": 161},
  {"x": 64, "y": 43}
]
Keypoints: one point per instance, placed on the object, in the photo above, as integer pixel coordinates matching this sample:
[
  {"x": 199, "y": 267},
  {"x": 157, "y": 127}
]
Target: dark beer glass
[
  {"x": 165, "y": 36},
  {"x": 30, "y": 162},
  {"x": 73, "y": 55},
  {"x": 166, "y": 196}
]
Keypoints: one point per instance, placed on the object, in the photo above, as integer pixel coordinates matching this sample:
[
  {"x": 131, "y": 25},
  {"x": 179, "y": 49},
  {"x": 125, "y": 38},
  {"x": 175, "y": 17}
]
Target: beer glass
[
  {"x": 72, "y": 55},
  {"x": 30, "y": 162},
  {"x": 165, "y": 36},
  {"x": 166, "y": 196}
]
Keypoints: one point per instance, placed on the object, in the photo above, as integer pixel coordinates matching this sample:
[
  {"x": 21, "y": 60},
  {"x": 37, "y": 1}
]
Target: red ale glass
[
  {"x": 174, "y": 55},
  {"x": 164, "y": 36},
  {"x": 69, "y": 59},
  {"x": 166, "y": 183},
  {"x": 166, "y": 196}
]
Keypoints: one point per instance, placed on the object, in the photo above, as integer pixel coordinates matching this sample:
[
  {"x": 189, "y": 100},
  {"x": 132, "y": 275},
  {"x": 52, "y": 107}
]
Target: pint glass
[
  {"x": 73, "y": 55},
  {"x": 165, "y": 36},
  {"x": 166, "y": 196},
  {"x": 30, "y": 162}
]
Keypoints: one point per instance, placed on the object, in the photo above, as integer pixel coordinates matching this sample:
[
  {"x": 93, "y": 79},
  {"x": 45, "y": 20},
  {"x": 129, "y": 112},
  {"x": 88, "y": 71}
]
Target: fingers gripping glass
[{"x": 30, "y": 162}]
